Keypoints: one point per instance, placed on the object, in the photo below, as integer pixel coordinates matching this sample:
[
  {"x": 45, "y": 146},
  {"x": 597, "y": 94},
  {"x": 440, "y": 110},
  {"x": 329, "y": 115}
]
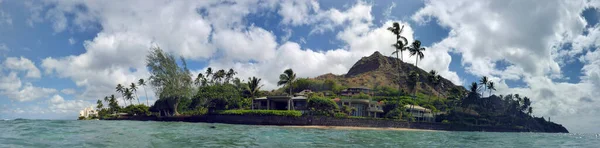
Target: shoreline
[
  {"x": 358, "y": 128},
  {"x": 323, "y": 122}
]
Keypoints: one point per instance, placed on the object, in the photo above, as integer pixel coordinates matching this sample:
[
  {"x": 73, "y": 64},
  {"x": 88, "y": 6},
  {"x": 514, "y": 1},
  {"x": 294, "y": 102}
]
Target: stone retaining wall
[{"x": 321, "y": 121}]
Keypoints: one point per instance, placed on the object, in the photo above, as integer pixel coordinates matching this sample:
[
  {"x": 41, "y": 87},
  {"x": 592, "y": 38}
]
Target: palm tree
[
  {"x": 399, "y": 46},
  {"x": 434, "y": 78},
  {"x": 474, "y": 88},
  {"x": 401, "y": 41},
  {"x": 484, "y": 81},
  {"x": 106, "y": 99},
  {"x": 134, "y": 90},
  {"x": 209, "y": 72},
  {"x": 490, "y": 87},
  {"x": 253, "y": 87},
  {"x": 142, "y": 83},
  {"x": 288, "y": 78},
  {"x": 199, "y": 79},
  {"x": 120, "y": 89},
  {"x": 229, "y": 75},
  {"x": 128, "y": 95},
  {"x": 417, "y": 50},
  {"x": 219, "y": 75}
]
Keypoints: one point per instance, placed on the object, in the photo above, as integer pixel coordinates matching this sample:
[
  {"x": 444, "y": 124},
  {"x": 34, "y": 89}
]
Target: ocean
[{"x": 97, "y": 133}]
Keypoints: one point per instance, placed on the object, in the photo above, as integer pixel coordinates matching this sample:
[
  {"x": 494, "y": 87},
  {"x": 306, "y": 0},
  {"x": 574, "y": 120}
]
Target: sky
[{"x": 59, "y": 56}]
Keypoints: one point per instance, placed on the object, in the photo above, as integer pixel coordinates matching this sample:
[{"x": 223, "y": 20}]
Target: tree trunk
[
  {"x": 399, "y": 69},
  {"x": 138, "y": 98},
  {"x": 124, "y": 101},
  {"x": 147, "y": 102}
]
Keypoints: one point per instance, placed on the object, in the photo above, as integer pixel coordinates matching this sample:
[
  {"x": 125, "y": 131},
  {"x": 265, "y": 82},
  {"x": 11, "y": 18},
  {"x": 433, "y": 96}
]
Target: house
[
  {"x": 420, "y": 113},
  {"x": 355, "y": 91},
  {"x": 88, "y": 112},
  {"x": 362, "y": 107},
  {"x": 281, "y": 103}
]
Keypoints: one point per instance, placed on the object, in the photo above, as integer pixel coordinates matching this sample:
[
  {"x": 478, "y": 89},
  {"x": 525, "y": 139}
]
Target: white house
[{"x": 88, "y": 112}]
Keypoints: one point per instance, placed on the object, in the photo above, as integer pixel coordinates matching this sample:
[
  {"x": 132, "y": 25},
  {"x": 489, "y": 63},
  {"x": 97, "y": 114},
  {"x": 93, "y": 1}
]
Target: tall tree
[
  {"x": 472, "y": 96},
  {"x": 209, "y": 72},
  {"x": 399, "y": 46},
  {"x": 483, "y": 81},
  {"x": 417, "y": 51},
  {"x": 401, "y": 41},
  {"x": 134, "y": 90},
  {"x": 128, "y": 95},
  {"x": 490, "y": 87},
  {"x": 229, "y": 75},
  {"x": 142, "y": 83},
  {"x": 106, "y": 99},
  {"x": 253, "y": 87},
  {"x": 434, "y": 78},
  {"x": 120, "y": 89},
  {"x": 113, "y": 105},
  {"x": 287, "y": 78},
  {"x": 99, "y": 104},
  {"x": 172, "y": 82},
  {"x": 218, "y": 76},
  {"x": 199, "y": 79}
]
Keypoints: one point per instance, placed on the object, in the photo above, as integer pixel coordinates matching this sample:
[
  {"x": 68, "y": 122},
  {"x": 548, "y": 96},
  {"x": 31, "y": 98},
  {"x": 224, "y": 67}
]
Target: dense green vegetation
[{"x": 288, "y": 113}]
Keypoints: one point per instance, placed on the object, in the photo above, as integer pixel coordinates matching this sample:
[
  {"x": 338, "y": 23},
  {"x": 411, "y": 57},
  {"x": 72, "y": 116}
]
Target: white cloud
[
  {"x": 529, "y": 41},
  {"x": 28, "y": 92},
  {"x": 253, "y": 44},
  {"x": 57, "y": 99},
  {"x": 59, "y": 105},
  {"x": 22, "y": 64},
  {"x": 297, "y": 12},
  {"x": 72, "y": 41},
  {"x": 68, "y": 91}
]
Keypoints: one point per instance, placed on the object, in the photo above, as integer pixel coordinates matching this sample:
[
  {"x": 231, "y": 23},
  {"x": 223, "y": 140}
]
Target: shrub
[
  {"x": 445, "y": 121},
  {"x": 340, "y": 115},
  {"x": 394, "y": 114},
  {"x": 322, "y": 106},
  {"x": 288, "y": 113},
  {"x": 140, "y": 110},
  {"x": 195, "y": 112},
  {"x": 363, "y": 96}
]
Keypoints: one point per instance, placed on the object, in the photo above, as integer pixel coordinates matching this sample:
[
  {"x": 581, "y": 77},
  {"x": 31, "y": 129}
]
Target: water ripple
[{"x": 64, "y": 133}]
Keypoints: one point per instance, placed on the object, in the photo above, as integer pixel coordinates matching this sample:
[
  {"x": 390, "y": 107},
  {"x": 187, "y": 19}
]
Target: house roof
[{"x": 419, "y": 108}]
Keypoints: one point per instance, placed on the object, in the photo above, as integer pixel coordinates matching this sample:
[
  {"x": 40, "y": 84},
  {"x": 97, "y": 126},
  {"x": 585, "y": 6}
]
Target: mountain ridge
[{"x": 380, "y": 70}]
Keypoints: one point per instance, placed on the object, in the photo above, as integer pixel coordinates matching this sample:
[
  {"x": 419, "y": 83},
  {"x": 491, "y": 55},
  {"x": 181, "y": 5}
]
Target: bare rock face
[
  {"x": 379, "y": 70},
  {"x": 371, "y": 63}
]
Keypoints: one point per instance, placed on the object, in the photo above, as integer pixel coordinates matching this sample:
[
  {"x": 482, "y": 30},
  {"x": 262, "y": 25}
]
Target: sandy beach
[{"x": 359, "y": 128}]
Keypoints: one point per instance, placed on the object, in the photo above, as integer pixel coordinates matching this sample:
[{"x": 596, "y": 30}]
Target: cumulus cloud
[
  {"x": 11, "y": 85},
  {"x": 57, "y": 99},
  {"x": 22, "y": 64},
  {"x": 68, "y": 91},
  {"x": 531, "y": 42}
]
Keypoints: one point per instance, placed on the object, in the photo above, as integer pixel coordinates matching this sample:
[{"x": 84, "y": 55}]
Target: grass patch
[{"x": 288, "y": 113}]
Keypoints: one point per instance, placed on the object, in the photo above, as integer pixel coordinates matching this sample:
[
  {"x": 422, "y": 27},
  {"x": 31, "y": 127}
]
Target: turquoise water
[{"x": 63, "y": 133}]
